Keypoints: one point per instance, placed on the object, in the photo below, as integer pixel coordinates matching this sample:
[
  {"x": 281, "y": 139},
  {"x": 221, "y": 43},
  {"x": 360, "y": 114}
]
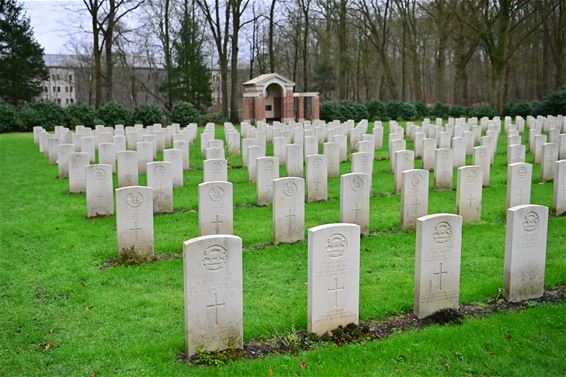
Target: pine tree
[
  {"x": 21, "y": 57},
  {"x": 190, "y": 75}
]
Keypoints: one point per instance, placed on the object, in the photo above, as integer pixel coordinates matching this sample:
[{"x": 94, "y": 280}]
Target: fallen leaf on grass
[{"x": 304, "y": 364}]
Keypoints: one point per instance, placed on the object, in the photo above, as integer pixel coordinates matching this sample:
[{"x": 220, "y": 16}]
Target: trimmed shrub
[
  {"x": 113, "y": 113},
  {"x": 81, "y": 113},
  {"x": 457, "y": 111},
  {"x": 376, "y": 110},
  {"x": 9, "y": 120},
  {"x": 184, "y": 113},
  {"x": 401, "y": 111},
  {"x": 216, "y": 118},
  {"x": 352, "y": 110},
  {"x": 482, "y": 111},
  {"x": 553, "y": 104},
  {"x": 421, "y": 109},
  {"x": 146, "y": 115},
  {"x": 329, "y": 111},
  {"x": 45, "y": 114},
  {"x": 522, "y": 108},
  {"x": 440, "y": 110}
]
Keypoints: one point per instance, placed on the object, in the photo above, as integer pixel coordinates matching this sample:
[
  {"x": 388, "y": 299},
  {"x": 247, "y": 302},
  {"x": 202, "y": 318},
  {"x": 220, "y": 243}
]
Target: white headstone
[
  {"x": 516, "y": 153},
  {"x": 469, "y": 193},
  {"x": 215, "y": 170},
  {"x": 362, "y": 163},
  {"x": 414, "y": 197},
  {"x": 404, "y": 160},
  {"x": 78, "y": 161},
  {"x": 295, "y": 160},
  {"x": 332, "y": 153},
  {"x": 525, "y": 252},
  {"x": 288, "y": 210},
  {"x": 88, "y": 145},
  {"x": 134, "y": 220},
  {"x": 144, "y": 154},
  {"x": 437, "y": 264},
  {"x": 354, "y": 200},
  {"x": 267, "y": 171},
  {"x": 160, "y": 179},
  {"x": 99, "y": 190},
  {"x": 212, "y": 268},
  {"x": 63, "y": 153},
  {"x": 215, "y": 209},
  {"x": 429, "y": 153},
  {"x": 254, "y": 152},
  {"x": 443, "y": 169},
  {"x": 127, "y": 168},
  {"x": 334, "y": 277},
  {"x": 107, "y": 154},
  {"x": 481, "y": 159},
  {"x": 519, "y": 177},
  {"x": 175, "y": 157},
  {"x": 279, "y": 149},
  {"x": 559, "y": 192},
  {"x": 459, "y": 149},
  {"x": 549, "y": 158},
  {"x": 317, "y": 178},
  {"x": 184, "y": 146}
]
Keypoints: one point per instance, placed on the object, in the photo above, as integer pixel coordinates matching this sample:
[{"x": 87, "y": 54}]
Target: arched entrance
[{"x": 273, "y": 102}]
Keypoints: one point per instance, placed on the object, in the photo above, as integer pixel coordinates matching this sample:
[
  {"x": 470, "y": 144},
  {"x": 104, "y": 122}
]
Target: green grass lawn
[{"x": 62, "y": 314}]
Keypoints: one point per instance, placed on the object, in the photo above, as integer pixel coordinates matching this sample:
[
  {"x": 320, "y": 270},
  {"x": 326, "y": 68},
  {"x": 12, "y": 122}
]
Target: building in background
[
  {"x": 60, "y": 84},
  {"x": 71, "y": 80}
]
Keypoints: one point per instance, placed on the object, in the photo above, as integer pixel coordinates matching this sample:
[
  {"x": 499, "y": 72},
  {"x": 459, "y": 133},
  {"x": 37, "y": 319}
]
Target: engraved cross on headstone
[
  {"x": 290, "y": 217},
  {"x": 416, "y": 205},
  {"x": 440, "y": 273},
  {"x": 356, "y": 210},
  {"x": 217, "y": 222},
  {"x": 215, "y": 306},
  {"x": 520, "y": 195},
  {"x": 470, "y": 199},
  {"x": 136, "y": 228},
  {"x": 335, "y": 290},
  {"x": 317, "y": 183}
]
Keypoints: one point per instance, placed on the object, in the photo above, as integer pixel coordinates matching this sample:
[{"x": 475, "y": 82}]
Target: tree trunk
[
  {"x": 342, "y": 51},
  {"x": 270, "y": 37},
  {"x": 234, "y": 117},
  {"x": 305, "y": 50},
  {"x": 109, "y": 45},
  {"x": 167, "y": 53},
  {"x": 223, "y": 62},
  {"x": 97, "y": 64}
]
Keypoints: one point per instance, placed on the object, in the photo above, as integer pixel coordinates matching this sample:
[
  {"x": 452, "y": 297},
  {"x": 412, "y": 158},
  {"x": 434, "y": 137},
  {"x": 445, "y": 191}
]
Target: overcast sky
[{"x": 56, "y": 22}]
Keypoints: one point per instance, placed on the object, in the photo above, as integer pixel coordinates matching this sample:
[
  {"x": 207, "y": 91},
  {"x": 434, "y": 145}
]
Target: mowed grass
[{"x": 64, "y": 315}]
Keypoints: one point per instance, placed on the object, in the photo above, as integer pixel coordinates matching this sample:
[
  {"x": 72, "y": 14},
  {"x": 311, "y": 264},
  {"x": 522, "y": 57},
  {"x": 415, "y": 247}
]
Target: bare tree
[{"x": 219, "y": 26}]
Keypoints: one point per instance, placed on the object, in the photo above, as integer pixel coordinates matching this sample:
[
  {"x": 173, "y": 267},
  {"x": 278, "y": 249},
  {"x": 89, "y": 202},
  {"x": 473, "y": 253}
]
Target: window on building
[
  {"x": 66, "y": 101},
  {"x": 58, "y": 77},
  {"x": 267, "y": 107},
  {"x": 72, "y": 101},
  {"x": 58, "y": 101},
  {"x": 58, "y": 89},
  {"x": 53, "y": 77},
  {"x": 70, "y": 77},
  {"x": 71, "y": 89},
  {"x": 54, "y": 89},
  {"x": 45, "y": 89}
]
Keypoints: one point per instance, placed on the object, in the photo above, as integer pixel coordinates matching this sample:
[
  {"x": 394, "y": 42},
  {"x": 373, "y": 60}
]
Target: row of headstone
[{"x": 213, "y": 286}]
